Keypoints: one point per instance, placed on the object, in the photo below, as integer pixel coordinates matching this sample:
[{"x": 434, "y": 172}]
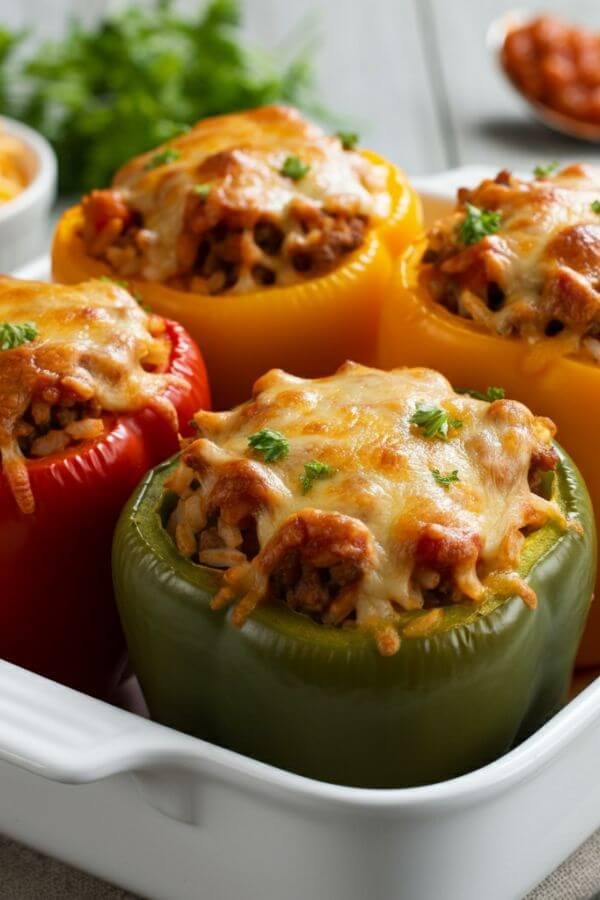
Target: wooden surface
[
  {"x": 414, "y": 76},
  {"x": 416, "y": 79}
]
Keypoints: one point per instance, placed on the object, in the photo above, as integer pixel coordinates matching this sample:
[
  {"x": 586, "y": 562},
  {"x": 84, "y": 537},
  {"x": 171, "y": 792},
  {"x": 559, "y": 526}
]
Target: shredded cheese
[{"x": 381, "y": 512}]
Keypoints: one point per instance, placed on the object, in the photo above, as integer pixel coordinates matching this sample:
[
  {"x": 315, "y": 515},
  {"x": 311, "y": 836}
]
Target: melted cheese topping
[
  {"x": 540, "y": 272},
  {"x": 93, "y": 341},
  {"x": 240, "y": 158},
  {"x": 382, "y": 510}
]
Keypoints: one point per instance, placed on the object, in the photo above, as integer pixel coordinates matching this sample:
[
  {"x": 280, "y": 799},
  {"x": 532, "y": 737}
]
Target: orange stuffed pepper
[
  {"x": 505, "y": 293},
  {"x": 271, "y": 241}
]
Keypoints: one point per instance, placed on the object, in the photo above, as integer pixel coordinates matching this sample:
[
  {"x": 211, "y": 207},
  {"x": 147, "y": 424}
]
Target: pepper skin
[
  {"x": 321, "y": 701},
  {"x": 57, "y": 612},
  {"x": 417, "y": 331},
  {"x": 308, "y": 329}
]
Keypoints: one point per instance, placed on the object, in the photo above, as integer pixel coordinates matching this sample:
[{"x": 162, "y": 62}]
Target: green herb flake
[
  {"x": 349, "y": 139},
  {"x": 270, "y": 444},
  {"x": 140, "y": 302},
  {"x": 544, "y": 171},
  {"x": 445, "y": 480},
  {"x": 162, "y": 158},
  {"x": 434, "y": 422},
  {"x": 477, "y": 224},
  {"x": 596, "y": 207},
  {"x": 294, "y": 168},
  {"x": 12, "y": 336},
  {"x": 202, "y": 190},
  {"x": 117, "y": 281},
  {"x": 491, "y": 394},
  {"x": 313, "y": 471}
]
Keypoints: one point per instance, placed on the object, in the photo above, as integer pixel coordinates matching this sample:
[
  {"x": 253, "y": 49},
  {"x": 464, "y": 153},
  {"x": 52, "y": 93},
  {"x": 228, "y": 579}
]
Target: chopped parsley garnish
[
  {"x": 294, "y": 168},
  {"x": 162, "y": 158},
  {"x": 596, "y": 207},
  {"x": 271, "y": 444},
  {"x": 118, "y": 281},
  {"x": 202, "y": 190},
  {"x": 544, "y": 171},
  {"x": 349, "y": 139},
  {"x": 434, "y": 422},
  {"x": 491, "y": 394},
  {"x": 140, "y": 301},
  {"x": 477, "y": 224},
  {"x": 12, "y": 336},
  {"x": 445, "y": 480},
  {"x": 314, "y": 470}
]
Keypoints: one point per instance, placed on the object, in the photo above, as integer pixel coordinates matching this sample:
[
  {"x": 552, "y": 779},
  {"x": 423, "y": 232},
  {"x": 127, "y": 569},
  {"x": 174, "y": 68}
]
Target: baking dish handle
[{"x": 65, "y": 736}]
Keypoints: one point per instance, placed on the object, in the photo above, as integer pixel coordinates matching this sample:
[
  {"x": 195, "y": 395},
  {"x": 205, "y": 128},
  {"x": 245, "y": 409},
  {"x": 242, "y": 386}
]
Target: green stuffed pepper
[{"x": 367, "y": 579}]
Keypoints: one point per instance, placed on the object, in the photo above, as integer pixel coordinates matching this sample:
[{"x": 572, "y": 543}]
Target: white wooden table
[{"x": 416, "y": 79}]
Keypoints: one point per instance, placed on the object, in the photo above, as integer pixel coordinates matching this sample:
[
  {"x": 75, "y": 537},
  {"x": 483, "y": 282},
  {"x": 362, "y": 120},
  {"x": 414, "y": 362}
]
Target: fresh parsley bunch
[{"x": 137, "y": 79}]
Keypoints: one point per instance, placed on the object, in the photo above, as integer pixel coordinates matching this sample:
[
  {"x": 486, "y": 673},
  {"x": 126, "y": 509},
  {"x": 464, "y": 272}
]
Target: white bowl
[{"x": 24, "y": 220}]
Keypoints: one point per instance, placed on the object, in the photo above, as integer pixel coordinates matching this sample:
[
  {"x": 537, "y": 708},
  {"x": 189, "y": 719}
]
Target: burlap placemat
[{"x": 27, "y": 875}]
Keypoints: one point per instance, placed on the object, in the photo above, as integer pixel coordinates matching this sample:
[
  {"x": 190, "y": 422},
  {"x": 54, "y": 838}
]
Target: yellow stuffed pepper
[
  {"x": 271, "y": 241},
  {"x": 505, "y": 293}
]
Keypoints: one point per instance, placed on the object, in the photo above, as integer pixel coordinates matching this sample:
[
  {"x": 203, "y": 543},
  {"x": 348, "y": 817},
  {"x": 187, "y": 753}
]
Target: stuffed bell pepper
[
  {"x": 93, "y": 392},
  {"x": 271, "y": 241},
  {"x": 368, "y": 578},
  {"x": 506, "y": 291}
]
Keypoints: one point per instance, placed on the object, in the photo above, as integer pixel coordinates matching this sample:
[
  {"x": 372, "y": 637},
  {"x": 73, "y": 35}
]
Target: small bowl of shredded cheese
[
  {"x": 27, "y": 191},
  {"x": 14, "y": 176}
]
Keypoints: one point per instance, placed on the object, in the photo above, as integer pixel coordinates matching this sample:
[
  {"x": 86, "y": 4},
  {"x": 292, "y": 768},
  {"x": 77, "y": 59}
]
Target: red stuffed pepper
[{"x": 93, "y": 392}]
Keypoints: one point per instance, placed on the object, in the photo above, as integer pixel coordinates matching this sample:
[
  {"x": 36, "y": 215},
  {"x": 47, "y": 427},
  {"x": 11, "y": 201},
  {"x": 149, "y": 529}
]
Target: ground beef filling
[
  {"x": 222, "y": 250},
  {"x": 58, "y": 417},
  {"x": 50, "y": 427}
]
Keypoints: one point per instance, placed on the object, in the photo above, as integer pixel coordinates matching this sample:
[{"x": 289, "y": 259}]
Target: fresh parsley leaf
[
  {"x": 434, "y": 422},
  {"x": 477, "y": 223},
  {"x": 494, "y": 393},
  {"x": 596, "y": 207},
  {"x": 162, "y": 158},
  {"x": 544, "y": 171},
  {"x": 349, "y": 139},
  {"x": 138, "y": 77},
  {"x": 271, "y": 444},
  {"x": 12, "y": 336},
  {"x": 312, "y": 471},
  {"x": 294, "y": 168},
  {"x": 202, "y": 190},
  {"x": 491, "y": 393},
  {"x": 445, "y": 480}
]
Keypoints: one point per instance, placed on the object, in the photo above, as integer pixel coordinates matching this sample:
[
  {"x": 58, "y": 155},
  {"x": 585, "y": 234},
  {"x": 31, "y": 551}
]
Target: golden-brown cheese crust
[
  {"x": 93, "y": 341},
  {"x": 540, "y": 272},
  {"x": 382, "y": 511},
  {"x": 240, "y": 156}
]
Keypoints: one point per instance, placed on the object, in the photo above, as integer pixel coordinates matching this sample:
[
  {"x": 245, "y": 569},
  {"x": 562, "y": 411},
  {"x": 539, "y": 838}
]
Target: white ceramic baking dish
[{"x": 169, "y": 816}]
